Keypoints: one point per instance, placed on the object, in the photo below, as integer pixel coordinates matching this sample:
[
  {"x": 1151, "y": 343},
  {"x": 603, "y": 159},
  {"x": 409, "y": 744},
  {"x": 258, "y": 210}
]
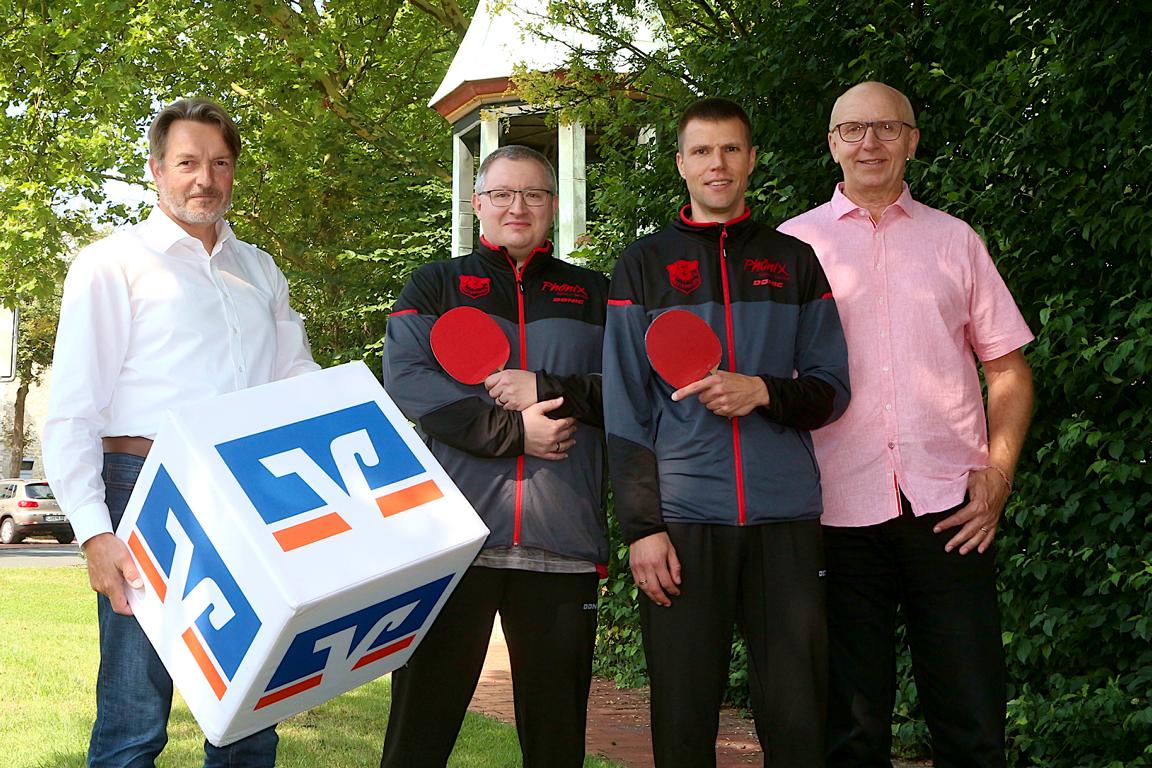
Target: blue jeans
[{"x": 133, "y": 690}]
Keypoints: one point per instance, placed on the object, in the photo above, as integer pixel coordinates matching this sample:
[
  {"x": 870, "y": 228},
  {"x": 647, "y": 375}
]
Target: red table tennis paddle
[
  {"x": 468, "y": 344},
  {"x": 682, "y": 347}
]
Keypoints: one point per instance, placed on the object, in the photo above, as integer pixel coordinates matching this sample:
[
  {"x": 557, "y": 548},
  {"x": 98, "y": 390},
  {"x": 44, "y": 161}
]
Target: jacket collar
[
  {"x": 685, "y": 223},
  {"x": 498, "y": 257}
]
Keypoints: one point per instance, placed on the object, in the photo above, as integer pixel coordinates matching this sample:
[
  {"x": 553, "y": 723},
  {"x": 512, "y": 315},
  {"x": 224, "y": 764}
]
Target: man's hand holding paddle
[
  {"x": 727, "y": 394},
  {"x": 686, "y": 352}
]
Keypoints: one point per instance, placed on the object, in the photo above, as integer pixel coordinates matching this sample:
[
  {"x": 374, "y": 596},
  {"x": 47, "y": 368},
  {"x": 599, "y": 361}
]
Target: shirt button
[
  {"x": 891, "y": 445},
  {"x": 877, "y": 267},
  {"x": 883, "y": 334},
  {"x": 888, "y": 406},
  {"x": 886, "y": 369}
]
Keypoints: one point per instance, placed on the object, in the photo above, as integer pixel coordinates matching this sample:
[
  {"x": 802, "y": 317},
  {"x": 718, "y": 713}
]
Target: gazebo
[{"x": 478, "y": 97}]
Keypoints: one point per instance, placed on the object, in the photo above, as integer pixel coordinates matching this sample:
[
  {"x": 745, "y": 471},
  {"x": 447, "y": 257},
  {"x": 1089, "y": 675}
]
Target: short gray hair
[
  {"x": 516, "y": 152},
  {"x": 197, "y": 110}
]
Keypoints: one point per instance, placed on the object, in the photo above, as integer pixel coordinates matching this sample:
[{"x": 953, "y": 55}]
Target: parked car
[{"x": 28, "y": 508}]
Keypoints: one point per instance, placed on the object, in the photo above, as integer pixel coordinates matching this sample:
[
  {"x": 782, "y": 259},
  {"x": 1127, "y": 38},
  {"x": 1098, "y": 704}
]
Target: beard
[{"x": 194, "y": 213}]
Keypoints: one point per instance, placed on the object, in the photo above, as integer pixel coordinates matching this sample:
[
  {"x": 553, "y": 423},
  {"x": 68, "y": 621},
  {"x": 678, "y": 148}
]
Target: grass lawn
[{"x": 48, "y": 659}]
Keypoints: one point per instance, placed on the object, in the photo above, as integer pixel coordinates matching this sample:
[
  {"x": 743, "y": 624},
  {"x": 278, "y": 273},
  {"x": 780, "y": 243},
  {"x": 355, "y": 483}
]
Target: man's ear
[{"x": 915, "y": 142}]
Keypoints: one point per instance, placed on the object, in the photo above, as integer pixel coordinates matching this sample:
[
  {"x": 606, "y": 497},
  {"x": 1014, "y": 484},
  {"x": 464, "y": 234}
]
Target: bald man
[{"x": 915, "y": 475}]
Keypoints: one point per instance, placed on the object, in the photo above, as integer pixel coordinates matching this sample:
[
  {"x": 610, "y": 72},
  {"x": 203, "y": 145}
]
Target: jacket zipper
[
  {"x": 519, "y": 507},
  {"x": 741, "y": 514}
]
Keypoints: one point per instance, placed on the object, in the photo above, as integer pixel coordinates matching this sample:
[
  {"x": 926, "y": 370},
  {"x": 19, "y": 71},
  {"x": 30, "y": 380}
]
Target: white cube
[{"x": 296, "y": 540}]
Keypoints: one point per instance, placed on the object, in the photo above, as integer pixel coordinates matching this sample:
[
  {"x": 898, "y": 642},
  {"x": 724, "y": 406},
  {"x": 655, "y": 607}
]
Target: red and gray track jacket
[
  {"x": 768, "y": 300},
  {"x": 553, "y": 313}
]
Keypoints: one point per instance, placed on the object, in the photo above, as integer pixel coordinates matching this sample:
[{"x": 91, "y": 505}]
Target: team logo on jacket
[
  {"x": 767, "y": 272},
  {"x": 684, "y": 275},
  {"x": 565, "y": 293},
  {"x": 475, "y": 287}
]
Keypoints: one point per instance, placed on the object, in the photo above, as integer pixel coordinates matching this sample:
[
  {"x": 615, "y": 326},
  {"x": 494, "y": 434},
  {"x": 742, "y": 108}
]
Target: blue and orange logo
[
  {"x": 177, "y": 556},
  {"x": 309, "y": 480},
  {"x": 352, "y": 642}
]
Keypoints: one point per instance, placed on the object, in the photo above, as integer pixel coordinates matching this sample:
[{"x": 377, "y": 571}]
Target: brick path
[{"x": 618, "y": 719}]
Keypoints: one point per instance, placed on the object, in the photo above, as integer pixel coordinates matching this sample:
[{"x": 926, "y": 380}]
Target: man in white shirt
[{"x": 158, "y": 315}]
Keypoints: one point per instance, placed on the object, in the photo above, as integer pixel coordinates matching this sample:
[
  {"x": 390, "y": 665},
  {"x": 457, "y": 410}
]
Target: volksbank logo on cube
[
  {"x": 187, "y": 573},
  {"x": 297, "y": 540},
  {"x": 349, "y": 643},
  {"x": 309, "y": 480}
]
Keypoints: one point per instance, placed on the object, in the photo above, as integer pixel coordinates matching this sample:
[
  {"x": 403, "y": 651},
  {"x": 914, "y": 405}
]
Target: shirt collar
[
  {"x": 161, "y": 232},
  {"x": 842, "y": 206}
]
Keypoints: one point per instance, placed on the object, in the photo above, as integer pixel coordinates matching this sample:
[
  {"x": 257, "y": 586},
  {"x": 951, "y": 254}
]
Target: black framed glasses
[
  {"x": 885, "y": 130},
  {"x": 502, "y": 198}
]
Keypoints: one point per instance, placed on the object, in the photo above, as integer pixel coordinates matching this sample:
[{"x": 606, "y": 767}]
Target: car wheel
[
  {"x": 8, "y": 533},
  {"x": 63, "y": 538}
]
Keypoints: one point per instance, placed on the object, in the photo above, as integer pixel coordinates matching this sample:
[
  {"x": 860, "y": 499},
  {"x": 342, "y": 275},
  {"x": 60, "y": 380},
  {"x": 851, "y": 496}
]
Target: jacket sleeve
[
  {"x": 820, "y": 391},
  {"x": 583, "y": 396},
  {"x": 630, "y": 422},
  {"x": 804, "y": 403},
  {"x": 460, "y": 415}
]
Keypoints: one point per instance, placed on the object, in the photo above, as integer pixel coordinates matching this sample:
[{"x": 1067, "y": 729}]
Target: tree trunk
[{"x": 16, "y": 446}]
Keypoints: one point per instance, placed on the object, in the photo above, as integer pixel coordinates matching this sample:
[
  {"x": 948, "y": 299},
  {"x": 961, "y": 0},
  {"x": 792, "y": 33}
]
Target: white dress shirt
[{"x": 151, "y": 321}]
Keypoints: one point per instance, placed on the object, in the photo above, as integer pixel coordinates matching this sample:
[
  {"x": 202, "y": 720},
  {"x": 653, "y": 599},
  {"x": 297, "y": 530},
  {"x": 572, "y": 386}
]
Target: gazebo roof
[{"x": 499, "y": 38}]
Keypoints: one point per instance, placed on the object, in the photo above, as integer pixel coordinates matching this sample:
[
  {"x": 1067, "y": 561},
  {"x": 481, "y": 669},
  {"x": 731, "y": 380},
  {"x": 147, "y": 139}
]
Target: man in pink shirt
[{"x": 914, "y": 476}]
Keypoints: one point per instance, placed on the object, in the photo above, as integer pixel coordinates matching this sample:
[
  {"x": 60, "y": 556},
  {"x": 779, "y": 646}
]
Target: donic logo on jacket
[
  {"x": 191, "y": 579},
  {"x": 313, "y": 479},
  {"x": 339, "y": 647}
]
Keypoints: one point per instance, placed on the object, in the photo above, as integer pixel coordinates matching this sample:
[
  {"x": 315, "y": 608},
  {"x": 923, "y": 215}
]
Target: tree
[
  {"x": 344, "y": 177},
  {"x": 37, "y": 325}
]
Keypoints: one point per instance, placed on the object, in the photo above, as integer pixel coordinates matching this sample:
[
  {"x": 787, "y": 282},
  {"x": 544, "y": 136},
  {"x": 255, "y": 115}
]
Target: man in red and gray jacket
[
  {"x": 526, "y": 449},
  {"x": 716, "y": 484}
]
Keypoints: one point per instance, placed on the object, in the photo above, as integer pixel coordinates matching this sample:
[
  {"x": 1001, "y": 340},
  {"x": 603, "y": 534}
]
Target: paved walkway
[
  {"x": 39, "y": 554},
  {"x": 618, "y": 719}
]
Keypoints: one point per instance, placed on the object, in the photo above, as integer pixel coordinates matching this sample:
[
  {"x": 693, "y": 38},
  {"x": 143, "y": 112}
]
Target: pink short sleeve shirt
[{"x": 920, "y": 301}]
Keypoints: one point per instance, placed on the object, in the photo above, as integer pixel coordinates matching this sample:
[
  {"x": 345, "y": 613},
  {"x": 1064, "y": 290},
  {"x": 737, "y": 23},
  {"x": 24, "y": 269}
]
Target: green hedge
[{"x": 1036, "y": 127}]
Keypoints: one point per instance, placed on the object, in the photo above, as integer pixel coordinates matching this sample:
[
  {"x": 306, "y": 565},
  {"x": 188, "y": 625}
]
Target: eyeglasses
[
  {"x": 502, "y": 198},
  {"x": 885, "y": 130}
]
